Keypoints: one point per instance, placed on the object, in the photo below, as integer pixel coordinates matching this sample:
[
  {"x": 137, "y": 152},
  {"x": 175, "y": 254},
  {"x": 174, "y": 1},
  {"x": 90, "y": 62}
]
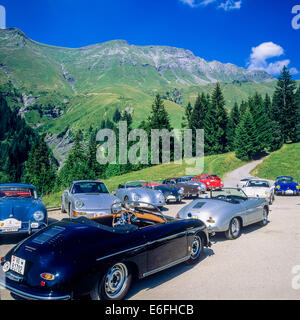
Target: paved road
[{"x": 258, "y": 265}]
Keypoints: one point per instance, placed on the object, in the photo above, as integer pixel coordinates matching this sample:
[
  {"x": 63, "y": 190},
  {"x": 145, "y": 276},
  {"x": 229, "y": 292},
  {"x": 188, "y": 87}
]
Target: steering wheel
[{"x": 123, "y": 217}]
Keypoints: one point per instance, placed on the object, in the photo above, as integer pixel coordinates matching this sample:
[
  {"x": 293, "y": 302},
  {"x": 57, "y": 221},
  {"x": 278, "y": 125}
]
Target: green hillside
[{"x": 284, "y": 162}]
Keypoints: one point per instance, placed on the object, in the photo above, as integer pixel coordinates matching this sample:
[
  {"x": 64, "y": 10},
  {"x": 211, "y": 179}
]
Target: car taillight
[{"x": 48, "y": 276}]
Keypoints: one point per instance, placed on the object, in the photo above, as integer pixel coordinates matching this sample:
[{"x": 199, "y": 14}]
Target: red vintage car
[{"x": 211, "y": 181}]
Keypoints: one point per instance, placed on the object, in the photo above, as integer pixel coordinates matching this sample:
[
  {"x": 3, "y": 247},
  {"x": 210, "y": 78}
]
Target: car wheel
[
  {"x": 234, "y": 230},
  {"x": 114, "y": 285},
  {"x": 196, "y": 250},
  {"x": 264, "y": 220}
]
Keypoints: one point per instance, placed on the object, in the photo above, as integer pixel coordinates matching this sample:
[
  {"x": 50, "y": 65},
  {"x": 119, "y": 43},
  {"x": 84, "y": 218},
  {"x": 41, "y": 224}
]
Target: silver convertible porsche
[
  {"x": 87, "y": 198},
  {"x": 227, "y": 210},
  {"x": 138, "y": 191}
]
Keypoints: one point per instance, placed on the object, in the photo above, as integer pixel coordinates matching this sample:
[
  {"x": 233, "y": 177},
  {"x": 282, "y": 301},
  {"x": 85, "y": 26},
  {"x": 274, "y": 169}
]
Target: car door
[
  {"x": 166, "y": 245},
  {"x": 252, "y": 210}
]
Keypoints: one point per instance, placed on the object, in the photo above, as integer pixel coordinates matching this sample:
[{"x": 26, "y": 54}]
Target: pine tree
[
  {"x": 263, "y": 129},
  {"x": 284, "y": 105},
  {"x": 159, "y": 118},
  {"x": 39, "y": 169},
  {"x": 297, "y": 133},
  {"x": 233, "y": 121},
  {"x": 186, "y": 119},
  {"x": 76, "y": 165},
  {"x": 215, "y": 124},
  {"x": 245, "y": 138}
]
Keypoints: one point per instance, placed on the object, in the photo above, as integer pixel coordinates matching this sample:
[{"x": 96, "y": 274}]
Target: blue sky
[{"x": 254, "y": 34}]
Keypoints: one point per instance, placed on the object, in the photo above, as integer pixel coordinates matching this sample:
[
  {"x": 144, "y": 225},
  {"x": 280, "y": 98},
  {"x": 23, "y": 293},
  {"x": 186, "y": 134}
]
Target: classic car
[
  {"x": 134, "y": 191},
  {"x": 212, "y": 182},
  {"x": 286, "y": 186},
  {"x": 243, "y": 182},
  {"x": 100, "y": 256},
  {"x": 88, "y": 198},
  {"x": 170, "y": 194},
  {"x": 189, "y": 180},
  {"x": 186, "y": 190},
  {"x": 259, "y": 188},
  {"x": 228, "y": 210},
  {"x": 21, "y": 211},
  {"x": 153, "y": 183}
]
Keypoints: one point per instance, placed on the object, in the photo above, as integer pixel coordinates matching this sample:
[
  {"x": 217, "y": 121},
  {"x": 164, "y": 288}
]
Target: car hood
[
  {"x": 253, "y": 192},
  {"x": 96, "y": 201},
  {"x": 19, "y": 208}
]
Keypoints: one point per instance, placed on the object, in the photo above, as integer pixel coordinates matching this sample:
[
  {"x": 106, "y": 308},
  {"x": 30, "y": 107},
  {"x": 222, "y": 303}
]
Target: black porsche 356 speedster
[{"x": 100, "y": 256}]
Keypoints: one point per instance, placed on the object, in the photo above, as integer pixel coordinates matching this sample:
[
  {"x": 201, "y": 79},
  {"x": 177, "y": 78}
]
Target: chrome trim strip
[
  {"x": 166, "y": 266},
  {"x": 32, "y": 296},
  {"x": 123, "y": 251},
  {"x": 168, "y": 238}
]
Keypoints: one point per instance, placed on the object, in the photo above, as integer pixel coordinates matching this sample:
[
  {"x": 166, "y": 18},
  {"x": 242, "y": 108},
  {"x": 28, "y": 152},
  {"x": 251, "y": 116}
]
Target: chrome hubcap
[
  {"x": 115, "y": 280},
  {"x": 235, "y": 227},
  {"x": 196, "y": 247},
  {"x": 265, "y": 217}
]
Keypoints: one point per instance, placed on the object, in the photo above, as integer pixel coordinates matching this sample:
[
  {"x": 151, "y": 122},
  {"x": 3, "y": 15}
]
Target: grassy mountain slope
[{"x": 284, "y": 162}]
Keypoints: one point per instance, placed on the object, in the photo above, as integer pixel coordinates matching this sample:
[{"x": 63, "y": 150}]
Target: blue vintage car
[
  {"x": 21, "y": 211},
  {"x": 286, "y": 185}
]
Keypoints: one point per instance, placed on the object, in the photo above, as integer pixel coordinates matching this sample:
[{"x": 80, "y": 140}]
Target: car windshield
[
  {"x": 229, "y": 194},
  {"x": 18, "y": 192},
  {"x": 135, "y": 184},
  {"x": 89, "y": 187},
  {"x": 285, "y": 180},
  {"x": 258, "y": 183},
  {"x": 156, "y": 182}
]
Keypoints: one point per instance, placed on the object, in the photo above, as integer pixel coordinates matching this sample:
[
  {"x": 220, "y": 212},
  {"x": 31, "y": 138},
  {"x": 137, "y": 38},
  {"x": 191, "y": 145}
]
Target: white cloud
[
  {"x": 227, "y": 5},
  {"x": 265, "y": 51},
  {"x": 197, "y": 3},
  {"x": 230, "y": 5}
]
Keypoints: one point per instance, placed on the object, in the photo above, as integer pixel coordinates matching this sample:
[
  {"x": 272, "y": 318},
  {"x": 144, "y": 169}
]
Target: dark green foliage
[
  {"x": 39, "y": 169},
  {"x": 16, "y": 140},
  {"x": 159, "y": 118},
  {"x": 215, "y": 124},
  {"x": 263, "y": 129},
  {"x": 233, "y": 121},
  {"x": 297, "y": 133},
  {"x": 245, "y": 137},
  {"x": 284, "y": 106}
]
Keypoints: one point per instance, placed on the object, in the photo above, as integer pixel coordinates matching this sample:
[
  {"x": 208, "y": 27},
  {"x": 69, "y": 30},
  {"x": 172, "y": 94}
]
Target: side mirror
[{"x": 114, "y": 192}]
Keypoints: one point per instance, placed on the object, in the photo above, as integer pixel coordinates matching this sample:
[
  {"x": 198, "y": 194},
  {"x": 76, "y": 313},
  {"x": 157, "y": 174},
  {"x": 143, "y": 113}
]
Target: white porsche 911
[{"x": 259, "y": 188}]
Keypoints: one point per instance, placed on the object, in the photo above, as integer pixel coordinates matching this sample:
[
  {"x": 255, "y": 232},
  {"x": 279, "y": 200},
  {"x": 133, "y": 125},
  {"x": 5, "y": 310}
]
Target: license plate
[
  {"x": 289, "y": 192},
  {"x": 17, "y": 264},
  {"x": 10, "y": 225}
]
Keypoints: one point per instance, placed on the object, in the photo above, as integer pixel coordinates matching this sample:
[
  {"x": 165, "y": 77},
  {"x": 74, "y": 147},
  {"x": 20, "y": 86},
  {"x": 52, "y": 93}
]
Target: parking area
[{"x": 258, "y": 265}]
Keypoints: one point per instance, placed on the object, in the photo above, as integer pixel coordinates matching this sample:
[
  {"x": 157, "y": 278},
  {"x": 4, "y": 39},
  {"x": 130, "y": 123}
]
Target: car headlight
[
  {"x": 278, "y": 187},
  {"x": 78, "y": 204},
  {"x": 298, "y": 187},
  {"x": 136, "y": 197},
  {"x": 38, "y": 216}
]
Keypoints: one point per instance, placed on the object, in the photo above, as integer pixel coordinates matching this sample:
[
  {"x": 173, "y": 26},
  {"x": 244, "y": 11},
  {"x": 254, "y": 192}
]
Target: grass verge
[{"x": 284, "y": 162}]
